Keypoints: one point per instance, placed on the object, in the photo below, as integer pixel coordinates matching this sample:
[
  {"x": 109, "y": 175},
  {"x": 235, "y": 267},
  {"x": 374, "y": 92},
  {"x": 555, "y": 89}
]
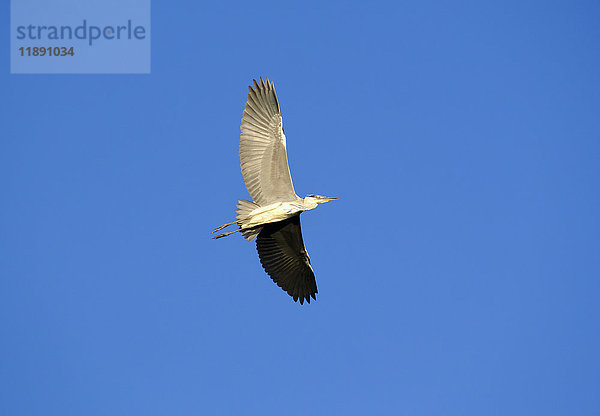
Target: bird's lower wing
[{"x": 284, "y": 257}]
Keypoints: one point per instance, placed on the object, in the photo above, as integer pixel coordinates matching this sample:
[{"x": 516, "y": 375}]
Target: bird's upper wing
[
  {"x": 284, "y": 258},
  {"x": 263, "y": 156}
]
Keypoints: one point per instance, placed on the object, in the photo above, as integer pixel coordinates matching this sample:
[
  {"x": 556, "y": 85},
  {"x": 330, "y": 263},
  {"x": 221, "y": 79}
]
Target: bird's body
[
  {"x": 274, "y": 214},
  {"x": 277, "y": 211}
]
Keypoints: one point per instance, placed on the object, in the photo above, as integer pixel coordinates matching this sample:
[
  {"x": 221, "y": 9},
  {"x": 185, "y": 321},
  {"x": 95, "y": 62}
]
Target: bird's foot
[
  {"x": 224, "y": 234},
  {"x": 223, "y": 226}
]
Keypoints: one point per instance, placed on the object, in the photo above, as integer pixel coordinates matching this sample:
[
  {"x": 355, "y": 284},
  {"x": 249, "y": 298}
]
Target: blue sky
[{"x": 458, "y": 274}]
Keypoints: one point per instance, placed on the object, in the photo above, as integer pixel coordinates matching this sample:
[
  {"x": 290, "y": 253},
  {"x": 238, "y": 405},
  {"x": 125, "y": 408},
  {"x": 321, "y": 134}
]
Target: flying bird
[{"x": 273, "y": 216}]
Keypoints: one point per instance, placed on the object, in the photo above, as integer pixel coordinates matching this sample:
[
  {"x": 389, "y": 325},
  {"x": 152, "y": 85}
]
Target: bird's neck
[{"x": 310, "y": 202}]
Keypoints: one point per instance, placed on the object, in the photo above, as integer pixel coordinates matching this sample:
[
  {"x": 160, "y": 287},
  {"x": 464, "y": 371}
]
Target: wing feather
[
  {"x": 263, "y": 155},
  {"x": 284, "y": 257}
]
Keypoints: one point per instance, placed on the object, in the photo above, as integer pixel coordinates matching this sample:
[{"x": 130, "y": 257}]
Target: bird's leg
[
  {"x": 223, "y": 226},
  {"x": 225, "y": 234}
]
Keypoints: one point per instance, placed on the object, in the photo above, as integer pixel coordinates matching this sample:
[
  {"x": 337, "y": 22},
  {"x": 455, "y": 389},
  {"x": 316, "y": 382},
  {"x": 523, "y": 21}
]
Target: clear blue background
[{"x": 458, "y": 274}]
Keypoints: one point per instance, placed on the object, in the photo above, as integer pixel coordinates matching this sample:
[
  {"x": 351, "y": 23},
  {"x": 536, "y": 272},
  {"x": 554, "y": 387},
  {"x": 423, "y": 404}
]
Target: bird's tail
[{"x": 241, "y": 214}]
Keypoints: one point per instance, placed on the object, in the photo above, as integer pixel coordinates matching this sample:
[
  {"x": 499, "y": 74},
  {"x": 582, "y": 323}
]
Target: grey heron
[{"x": 273, "y": 216}]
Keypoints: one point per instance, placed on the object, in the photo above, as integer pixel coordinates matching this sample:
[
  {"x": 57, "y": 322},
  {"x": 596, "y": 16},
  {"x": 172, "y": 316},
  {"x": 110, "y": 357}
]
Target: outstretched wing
[
  {"x": 284, "y": 258},
  {"x": 263, "y": 156}
]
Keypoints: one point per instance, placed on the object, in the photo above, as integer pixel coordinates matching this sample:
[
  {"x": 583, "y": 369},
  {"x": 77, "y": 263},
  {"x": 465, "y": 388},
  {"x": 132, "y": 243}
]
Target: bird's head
[{"x": 319, "y": 199}]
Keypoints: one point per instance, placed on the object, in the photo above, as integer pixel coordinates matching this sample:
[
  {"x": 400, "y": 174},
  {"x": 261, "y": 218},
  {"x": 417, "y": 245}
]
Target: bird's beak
[{"x": 329, "y": 199}]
